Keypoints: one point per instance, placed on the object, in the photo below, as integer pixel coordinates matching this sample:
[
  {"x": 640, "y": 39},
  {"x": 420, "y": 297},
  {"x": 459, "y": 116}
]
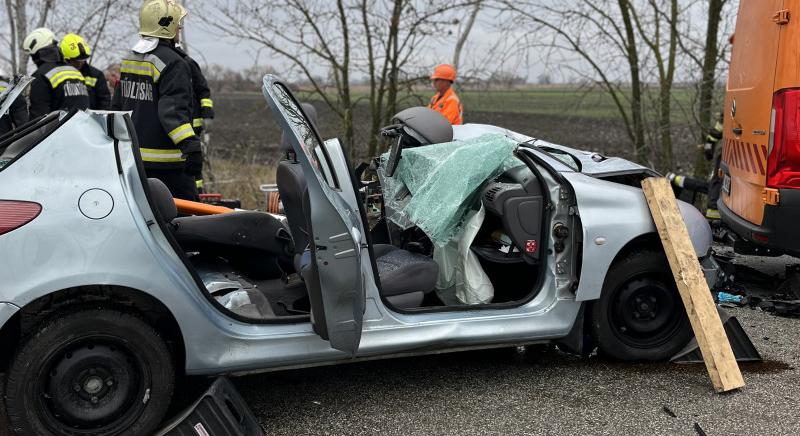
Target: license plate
[{"x": 726, "y": 184}]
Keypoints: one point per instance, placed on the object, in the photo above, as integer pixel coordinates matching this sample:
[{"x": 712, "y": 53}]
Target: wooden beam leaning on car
[{"x": 714, "y": 345}]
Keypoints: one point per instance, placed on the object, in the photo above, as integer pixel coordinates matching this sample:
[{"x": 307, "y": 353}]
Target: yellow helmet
[
  {"x": 74, "y": 47},
  {"x": 160, "y": 18}
]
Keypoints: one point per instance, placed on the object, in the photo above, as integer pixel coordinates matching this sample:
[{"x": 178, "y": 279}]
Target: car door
[{"x": 332, "y": 265}]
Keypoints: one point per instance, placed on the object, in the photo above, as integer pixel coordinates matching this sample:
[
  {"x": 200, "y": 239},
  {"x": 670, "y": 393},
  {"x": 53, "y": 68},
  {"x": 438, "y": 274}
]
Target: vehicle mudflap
[
  {"x": 219, "y": 411},
  {"x": 578, "y": 340},
  {"x": 743, "y": 347}
]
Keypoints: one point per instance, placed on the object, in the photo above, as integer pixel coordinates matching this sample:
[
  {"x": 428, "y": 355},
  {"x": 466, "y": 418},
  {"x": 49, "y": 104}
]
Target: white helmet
[{"x": 38, "y": 39}]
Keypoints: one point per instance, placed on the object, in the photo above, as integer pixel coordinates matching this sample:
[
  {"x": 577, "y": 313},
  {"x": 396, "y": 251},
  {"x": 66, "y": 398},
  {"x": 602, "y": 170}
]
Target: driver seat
[{"x": 405, "y": 277}]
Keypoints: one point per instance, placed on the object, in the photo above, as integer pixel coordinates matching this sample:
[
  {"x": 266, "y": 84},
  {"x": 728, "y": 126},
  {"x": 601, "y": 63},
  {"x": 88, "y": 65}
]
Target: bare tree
[
  {"x": 106, "y": 24},
  {"x": 591, "y": 30},
  {"x": 653, "y": 35},
  {"x": 464, "y": 33},
  {"x": 376, "y": 38},
  {"x": 711, "y": 56}
]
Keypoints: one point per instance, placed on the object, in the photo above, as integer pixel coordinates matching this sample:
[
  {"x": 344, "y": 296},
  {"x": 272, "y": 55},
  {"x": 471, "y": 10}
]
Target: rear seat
[{"x": 254, "y": 242}]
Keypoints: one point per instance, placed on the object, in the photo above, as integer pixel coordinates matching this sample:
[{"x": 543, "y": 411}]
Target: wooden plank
[{"x": 714, "y": 345}]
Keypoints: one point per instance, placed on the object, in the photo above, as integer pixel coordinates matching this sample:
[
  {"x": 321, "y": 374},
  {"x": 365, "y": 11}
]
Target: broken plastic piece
[
  {"x": 743, "y": 348},
  {"x": 220, "y": 411},
  {"x": 724, "y": 297}
]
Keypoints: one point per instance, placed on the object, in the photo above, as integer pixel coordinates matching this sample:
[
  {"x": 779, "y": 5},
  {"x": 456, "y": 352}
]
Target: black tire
[
  {"x": 97, "y": 371},
  {"x": 640, "y": 315}
]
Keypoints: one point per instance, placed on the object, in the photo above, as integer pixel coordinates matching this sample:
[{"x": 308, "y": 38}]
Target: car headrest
[
  {"x": 425, "y": 125},
  {"x": 311, "y": 112},
  {"x": 162, "y": 200}
]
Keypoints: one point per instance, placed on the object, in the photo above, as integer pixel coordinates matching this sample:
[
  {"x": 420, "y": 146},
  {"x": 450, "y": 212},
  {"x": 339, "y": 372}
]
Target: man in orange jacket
[{"x": 446, "y": 102}]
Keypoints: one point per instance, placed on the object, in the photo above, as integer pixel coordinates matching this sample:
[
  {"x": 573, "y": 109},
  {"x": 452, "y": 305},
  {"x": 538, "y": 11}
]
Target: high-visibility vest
[{"x": 448, "y": 105}]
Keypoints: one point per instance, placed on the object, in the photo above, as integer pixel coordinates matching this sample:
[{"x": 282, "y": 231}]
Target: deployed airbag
[
  {"x": 460, "y": 272},
  {"x": 435, "y": 186}
]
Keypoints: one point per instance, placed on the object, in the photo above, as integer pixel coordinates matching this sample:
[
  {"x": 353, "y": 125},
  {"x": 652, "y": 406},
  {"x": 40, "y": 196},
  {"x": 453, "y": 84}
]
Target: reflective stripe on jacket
[
  {"x": 448, "y": 105},
  {"x": 57, "y": 86},
  {"x": 202, "y": 106},
  {"x": 157, "y": 88}
]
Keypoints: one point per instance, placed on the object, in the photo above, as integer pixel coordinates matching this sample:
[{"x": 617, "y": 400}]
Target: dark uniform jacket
[
  {"x": 99, "y": 94},
  {"x": 203, "y": 107},
  {"x": 56, "y": 86},
  {"x": 17, "y": 115},
  {"x": 157, "y": 87}
]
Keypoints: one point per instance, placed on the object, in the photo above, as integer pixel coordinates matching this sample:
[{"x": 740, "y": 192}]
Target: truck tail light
[
  {"x": 783, "y": 162},
  {"x": 15, "y": 214}
]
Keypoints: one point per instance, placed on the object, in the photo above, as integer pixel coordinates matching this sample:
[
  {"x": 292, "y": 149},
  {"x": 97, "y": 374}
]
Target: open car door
[{"x": 332, "y": 266}]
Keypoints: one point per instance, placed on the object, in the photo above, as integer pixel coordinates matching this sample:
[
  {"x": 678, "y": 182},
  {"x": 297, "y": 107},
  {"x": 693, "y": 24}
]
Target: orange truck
[{"x": 760, "y": 166}]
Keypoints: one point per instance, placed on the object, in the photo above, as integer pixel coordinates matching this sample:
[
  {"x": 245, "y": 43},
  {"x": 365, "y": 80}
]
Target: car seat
[
  {"x": 253, "y": 242},
  {"x": 405, "y": 277}
]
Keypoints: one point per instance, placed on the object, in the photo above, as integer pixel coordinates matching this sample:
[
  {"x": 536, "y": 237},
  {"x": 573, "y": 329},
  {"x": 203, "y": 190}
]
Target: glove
[
  {"x": 207, "y": 122},
  {"x": 708, "y": 150},
  {"x": 194, "y": 164}
]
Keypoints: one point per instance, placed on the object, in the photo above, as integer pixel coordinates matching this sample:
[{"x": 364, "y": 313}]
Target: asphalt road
[
  {"x": 502, "y": 392},
  {"x": 539, "y": 392}
]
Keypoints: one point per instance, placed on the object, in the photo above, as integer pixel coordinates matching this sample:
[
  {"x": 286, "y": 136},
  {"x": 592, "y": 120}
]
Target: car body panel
[
  {"x": 7, "y": 310},
  {"x": 63, "y": 248},
  {"x": 605, "y": 230}
]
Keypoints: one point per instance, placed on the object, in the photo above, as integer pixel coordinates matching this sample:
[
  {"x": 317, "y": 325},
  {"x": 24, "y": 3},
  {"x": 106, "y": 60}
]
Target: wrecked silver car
[{"x": 108, "y": 294}]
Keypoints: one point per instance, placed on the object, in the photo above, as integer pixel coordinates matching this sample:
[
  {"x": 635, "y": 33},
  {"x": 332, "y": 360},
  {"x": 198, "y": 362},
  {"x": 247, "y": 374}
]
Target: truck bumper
[{"x": 778, "y": 230}]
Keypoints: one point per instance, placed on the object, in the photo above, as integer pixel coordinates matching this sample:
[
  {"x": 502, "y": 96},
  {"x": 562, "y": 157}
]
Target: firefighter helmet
[
  {"x": 160, "y": 18},
  {"x": 444, "y": 71},
  {"x": 38, "y": 39},
  {"x": 74, "y": 47}
]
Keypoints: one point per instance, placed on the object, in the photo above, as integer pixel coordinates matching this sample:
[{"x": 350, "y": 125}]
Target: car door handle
[{"x": 737, "y": 131}]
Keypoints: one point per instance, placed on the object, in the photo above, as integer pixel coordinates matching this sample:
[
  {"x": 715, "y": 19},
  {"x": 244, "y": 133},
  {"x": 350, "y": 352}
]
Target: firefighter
[
  {"x": 202, "y": 106},
  {"x": 76, "y": 52},
  {"x": 17, "y": 114},
  {"x": 445, "y": 101},
  {"x": 713, "y": 152},
  {"x": 56, "y": 85},
  {"x": 156, "y": 85}
]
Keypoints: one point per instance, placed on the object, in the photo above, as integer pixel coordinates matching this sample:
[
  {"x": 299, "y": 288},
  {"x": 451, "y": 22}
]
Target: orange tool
[{"x": 187, "y": 207}]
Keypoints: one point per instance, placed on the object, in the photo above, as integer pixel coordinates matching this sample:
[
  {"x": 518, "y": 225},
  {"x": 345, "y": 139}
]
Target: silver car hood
[{"x": 592, "y": 164}]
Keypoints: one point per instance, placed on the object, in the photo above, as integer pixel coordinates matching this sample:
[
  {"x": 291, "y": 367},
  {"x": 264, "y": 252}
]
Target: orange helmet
[{"x": 444, "y": 71}]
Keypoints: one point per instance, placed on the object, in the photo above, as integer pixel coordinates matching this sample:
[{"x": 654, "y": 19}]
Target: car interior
[{"x": 257, "y": 265}]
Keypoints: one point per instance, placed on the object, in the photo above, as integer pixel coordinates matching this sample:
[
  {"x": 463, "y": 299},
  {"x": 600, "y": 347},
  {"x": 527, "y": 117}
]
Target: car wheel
[
  {"x": 98, "y": 372},
  {"x": 640, "y": 315}
]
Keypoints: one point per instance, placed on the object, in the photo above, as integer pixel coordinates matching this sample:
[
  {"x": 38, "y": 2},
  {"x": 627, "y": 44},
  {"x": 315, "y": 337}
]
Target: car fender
[
  {"x": 613, "y": 215},
  {"x": 7, "y": 310},
  {"x": 68, "y": 245}
]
